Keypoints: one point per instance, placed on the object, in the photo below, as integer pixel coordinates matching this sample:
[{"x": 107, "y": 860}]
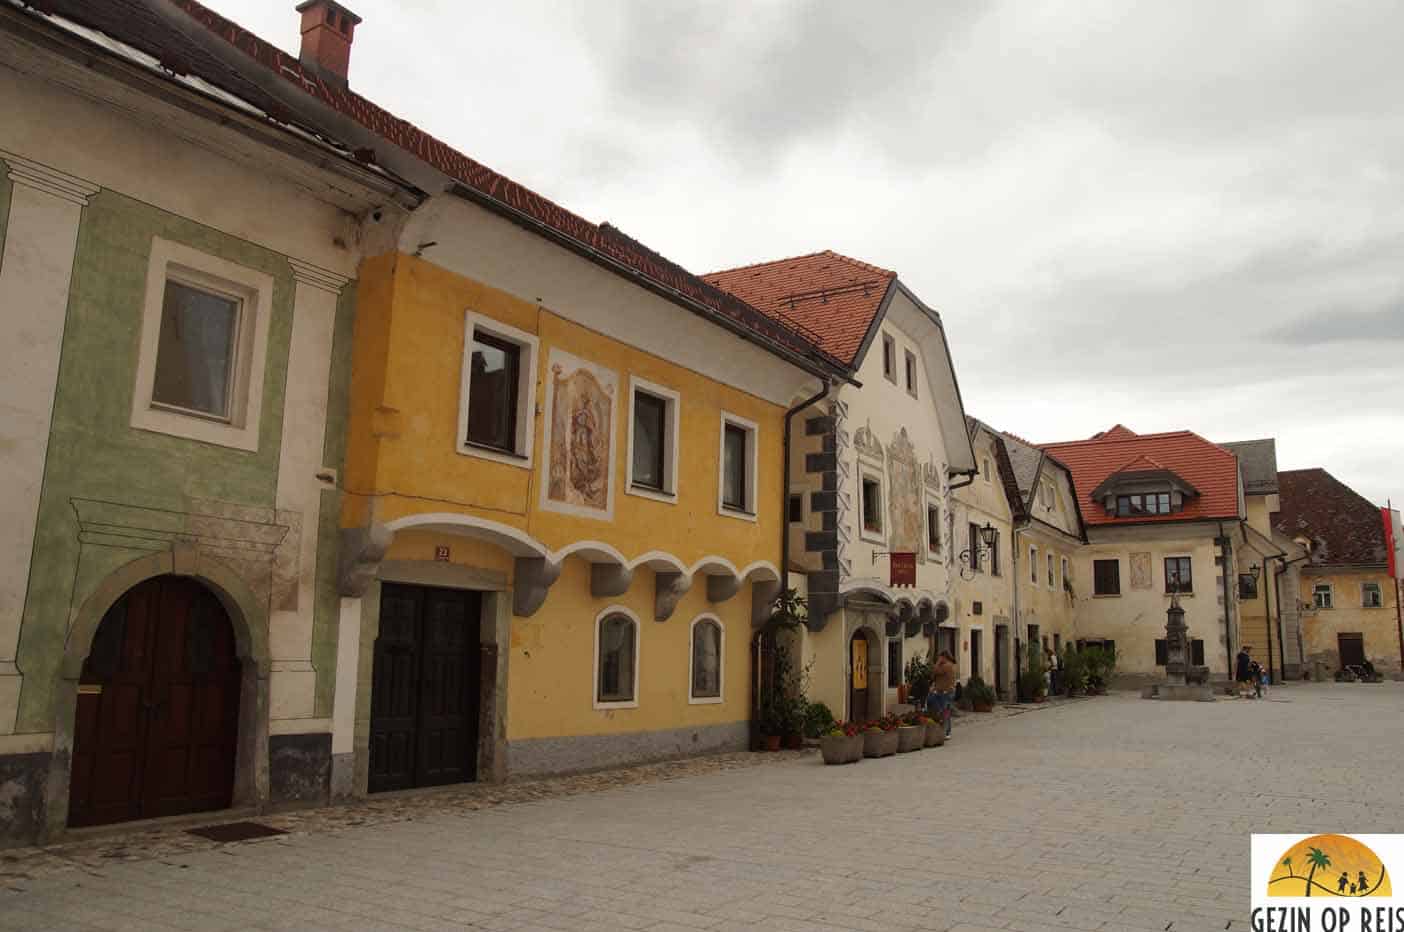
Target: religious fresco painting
[
  {"x": 580, "y": 400},
  {"x": 1140, "y": 571},
  {"x": 906, "y": 516}
]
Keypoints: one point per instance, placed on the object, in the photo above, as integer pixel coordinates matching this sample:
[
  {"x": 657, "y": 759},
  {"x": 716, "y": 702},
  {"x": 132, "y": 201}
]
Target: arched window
[
  {"x": 616, "y": 659},
  {"x": 706, "y": 666}
]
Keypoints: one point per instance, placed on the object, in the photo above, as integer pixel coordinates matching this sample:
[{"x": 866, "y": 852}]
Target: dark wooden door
[
  {"x": 425, "y": 686},
  {"x": 158, "y": 708},
  {"x": 1352, "y": 648},
  {"x": 858, "y": 678},
  {"x": 1002, "y": 661}
]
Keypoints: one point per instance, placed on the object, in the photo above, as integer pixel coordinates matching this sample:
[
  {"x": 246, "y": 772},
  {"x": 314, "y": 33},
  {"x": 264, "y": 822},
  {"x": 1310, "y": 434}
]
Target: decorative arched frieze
[{"x": 668, "y": 589}]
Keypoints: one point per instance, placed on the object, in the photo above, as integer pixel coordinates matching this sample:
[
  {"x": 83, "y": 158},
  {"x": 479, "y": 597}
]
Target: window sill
[
  {"x": 1183, "y": 595},
  {"x": 727, "y": 511},
  {"x": 482, "y": 451},
  {"x": 1106, "y": 595},
  {"x": 704, "y": 700},
  {"x": 658, "y": 495},
  {"x": 611, "y": 706}
]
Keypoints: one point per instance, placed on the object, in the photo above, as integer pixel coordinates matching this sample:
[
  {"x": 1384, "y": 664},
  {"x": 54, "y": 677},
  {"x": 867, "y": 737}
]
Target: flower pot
[
  {"x": 935, "y": 735},
  {"x": 883, "y": 744},
  {"x": 855, "y": 748},
  {"x": 902, "y": 693},
  {"x": 794, "y": 742},
  {"x": 910, "y": 738},
  {"x": 771, "y": 742},
  {"x": 1040, "y": 698},
  {"x": 982, "y": 707},
  {"x": 835, "y": 749}
]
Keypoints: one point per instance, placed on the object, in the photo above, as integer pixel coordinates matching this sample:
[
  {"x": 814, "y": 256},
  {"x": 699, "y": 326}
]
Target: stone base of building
[
  {"x": 22, "y": 781},
  {"x": 299, "y": 769},
  {"x": 1179, "y": 692},
  {"x": 542, "y": 756}
]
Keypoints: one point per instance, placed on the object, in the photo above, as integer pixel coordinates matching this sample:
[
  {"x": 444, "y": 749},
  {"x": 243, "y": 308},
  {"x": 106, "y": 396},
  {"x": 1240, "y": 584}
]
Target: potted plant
[
  {"x": 980, "y": 694},
  {"x": 935, "y": 732},
  {"x": 1074, "y": 672},
  {"x": 1100, "y": 664},
  {"x": 1033, "y": 683},
  {"x": 918, "y": 677},
  {"x": 841, "y": 744},
  {"x": 911, "y": 736},
  {"x": 818, "y": 720},
  {"x": 772, "y": 724},
  {"x": 880, "y": 738}
]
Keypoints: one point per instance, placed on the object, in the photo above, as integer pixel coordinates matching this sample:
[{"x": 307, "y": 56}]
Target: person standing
[
  {"x": 1051, "y": 663},
  {"x": 943, "y": 680},
  {"x": 1243, "y": 669}
]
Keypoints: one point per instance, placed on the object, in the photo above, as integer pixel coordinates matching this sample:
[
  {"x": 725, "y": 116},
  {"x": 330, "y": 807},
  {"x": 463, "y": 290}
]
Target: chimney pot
[{"x": 327, "y": 31}]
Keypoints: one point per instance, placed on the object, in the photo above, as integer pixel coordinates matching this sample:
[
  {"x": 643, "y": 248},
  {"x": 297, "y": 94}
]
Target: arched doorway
[{"x": 157, "y": 720}]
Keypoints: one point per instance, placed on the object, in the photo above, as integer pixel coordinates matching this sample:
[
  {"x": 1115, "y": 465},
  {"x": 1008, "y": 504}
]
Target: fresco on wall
[
  {"x": 581, "y": 408},
  {"x": 905, "y": 512},
  {"x": 1140, "y": 571}
]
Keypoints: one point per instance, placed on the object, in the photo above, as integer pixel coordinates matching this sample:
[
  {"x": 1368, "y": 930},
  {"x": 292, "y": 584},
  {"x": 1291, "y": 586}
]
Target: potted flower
[
  {"x": 980, "y": 694},
  {"x": 935, "y": 731},
  {"x": 880, "y": 738},
  {"x": 911, "y": 736},
  {"x": 841, "y": 744}
]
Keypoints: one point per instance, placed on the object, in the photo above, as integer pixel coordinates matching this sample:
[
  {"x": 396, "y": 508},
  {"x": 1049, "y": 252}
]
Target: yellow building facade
[{"x": 577, "y": 476}]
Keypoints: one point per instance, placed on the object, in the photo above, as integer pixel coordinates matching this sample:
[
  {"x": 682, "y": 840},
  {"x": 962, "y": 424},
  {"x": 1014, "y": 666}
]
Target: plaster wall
[
  {"x": 1053, "y": 531},
  {"x": 983, "y": 502},
  {"x": 1135, "y": 619},
  {"x": 1321, "y": 627}
]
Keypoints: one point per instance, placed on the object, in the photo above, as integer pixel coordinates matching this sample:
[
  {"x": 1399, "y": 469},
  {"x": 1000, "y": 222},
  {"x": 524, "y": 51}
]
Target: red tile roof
[
  {"x": 1317, "y": 505},
  {"x": 138, "y": 24},
  {"x": 833, "y": 297},
  {"x": 1207, "y": 466}
]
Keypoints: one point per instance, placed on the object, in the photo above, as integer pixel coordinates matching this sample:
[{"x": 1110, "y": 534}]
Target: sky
[{"x": 1168, "y": 215}]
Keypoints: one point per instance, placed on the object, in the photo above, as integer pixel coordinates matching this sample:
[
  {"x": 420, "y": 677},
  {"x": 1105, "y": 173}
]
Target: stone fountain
[{"x": 1183, "y": 682}]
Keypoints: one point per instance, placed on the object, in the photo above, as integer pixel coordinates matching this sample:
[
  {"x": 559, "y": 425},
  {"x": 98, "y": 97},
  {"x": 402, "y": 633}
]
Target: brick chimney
[{"x": 327, "y": 31}]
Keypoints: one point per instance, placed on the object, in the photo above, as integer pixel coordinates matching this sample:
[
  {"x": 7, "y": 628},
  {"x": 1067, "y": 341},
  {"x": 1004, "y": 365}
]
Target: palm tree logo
[{"x": 1362, "y": 873}]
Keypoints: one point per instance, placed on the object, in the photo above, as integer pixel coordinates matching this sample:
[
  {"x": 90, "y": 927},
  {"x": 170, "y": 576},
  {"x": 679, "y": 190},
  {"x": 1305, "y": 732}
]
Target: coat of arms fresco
[{"x": 581, "y": 411}]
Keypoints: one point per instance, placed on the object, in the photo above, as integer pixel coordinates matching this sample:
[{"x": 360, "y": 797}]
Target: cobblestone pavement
[{"x": 1111, "y": 814}]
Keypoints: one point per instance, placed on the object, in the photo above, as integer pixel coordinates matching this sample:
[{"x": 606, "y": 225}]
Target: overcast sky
[{"x": 1171, "y": 215}]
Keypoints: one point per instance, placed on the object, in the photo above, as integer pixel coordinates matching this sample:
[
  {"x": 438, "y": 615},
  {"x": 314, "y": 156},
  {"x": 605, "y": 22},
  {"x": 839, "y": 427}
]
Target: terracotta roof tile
[
  {"x": 1208, "y": 467},
  {"x": 831, "y": 296},
  {"x": 1317, "y": 505},
  {"x": 136, "y": 23}
]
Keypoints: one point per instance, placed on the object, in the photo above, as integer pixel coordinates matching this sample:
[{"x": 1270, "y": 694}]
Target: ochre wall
[
  {"x": 983, "y": 501},
  {"x": 1379, "y": 626}
]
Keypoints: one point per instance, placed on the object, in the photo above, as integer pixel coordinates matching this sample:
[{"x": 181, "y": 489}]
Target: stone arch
[
  {"x": 248, "y": 615},
  {"x": 877, "y": 647}
]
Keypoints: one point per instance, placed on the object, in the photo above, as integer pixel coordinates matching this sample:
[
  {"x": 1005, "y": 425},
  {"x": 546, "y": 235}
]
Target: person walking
[
  {"x": 1051, "y": 662},
  {"x": 943, "y": 681},
  {"x": 1243, "y": 670}
]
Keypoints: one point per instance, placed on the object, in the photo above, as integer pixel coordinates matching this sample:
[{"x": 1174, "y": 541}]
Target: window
[
  {"x": 1067, "y": 581},
  {"x": 894, "y": 663},
  {"x": 706, "y": 663},
  {"x": 1321, "y": 596},
  {"x": 974, "y": 547},
  {"x": 737, "y": 479},
  {"x": 1106, "y": 577},
  {"x": 889, "y": 359},
  {"x": 872, "y": 505},
  {"x": 994, "y": 555},
  {"x": 204, "y": 340},
  {"x": 933, "y": 528},
  {"x": 911, "y": 372},
  {"x": 1370, "y": 595},
  {"x": 1033, "y": 565},
  {"x": 985, "y": 468},
  {"x": 1148, "y": 503},
  {"x": 1196, "y": 650},
  {"x": 1247, "y": 586},
  {"x": 653, "y": 441},
  {"x": 796, "y": 510},
  {"x": 1047, "y": 494},
  {"x": 498, "y": 395},
  {"x": 1052, "y": 578},
  {"x": 1178, "y": 575},
  {"x": 616, "y": 659}
]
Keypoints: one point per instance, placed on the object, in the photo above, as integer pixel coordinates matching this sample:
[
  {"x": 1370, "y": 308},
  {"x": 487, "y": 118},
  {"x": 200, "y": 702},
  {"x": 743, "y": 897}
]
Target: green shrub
[
  {"x": 1032, "y": 684},
  {"x": 978, "y": 692},
  {"x": 817, "y": 719}
]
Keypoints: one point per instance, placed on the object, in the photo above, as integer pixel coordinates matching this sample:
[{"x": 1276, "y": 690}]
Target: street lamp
[{"x": 971, "y": 556}]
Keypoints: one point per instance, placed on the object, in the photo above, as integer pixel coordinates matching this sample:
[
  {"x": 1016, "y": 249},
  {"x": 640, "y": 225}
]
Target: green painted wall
[
  {"x": 4, "y": 204},
  {"x": 95, "y": 454}
]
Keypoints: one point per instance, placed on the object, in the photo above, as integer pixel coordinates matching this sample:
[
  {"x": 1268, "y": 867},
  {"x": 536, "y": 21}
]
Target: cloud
[{"x": 1339, "y": 325}]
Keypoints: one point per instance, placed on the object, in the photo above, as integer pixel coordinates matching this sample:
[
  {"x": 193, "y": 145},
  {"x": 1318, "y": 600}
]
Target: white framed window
[
  {"x": 889, "y": 359},
  {"x": 1371, "y": 596},
  {"x": 653, "y": 441},
  {"x": 616, "y": 680},
  {"x": 870, "y": 500},
  {"x": 1322, "y": 596},
  {"x": 706, "y": 664},
  {"x": 1033, "y": 565},
  {"x": 1064, "y": 569},
  {"x": 1052, "y": 578},
  {"x": 497, "y": 395},
  {"x": 909, "y": 368},
  {"x": 204, "y": 346},
  {"x": 736, "y": 467}
]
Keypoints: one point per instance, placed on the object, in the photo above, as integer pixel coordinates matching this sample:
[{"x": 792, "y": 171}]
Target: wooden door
[
  {"x": 858, "y": 678},
  {"x": 976, "y": 661},
  {"x": 1002, "y": 661},
  {"x": 158, "y": 708},
  {"x": 1352, "y": 648},
  {"x": 425, "y": 684}
]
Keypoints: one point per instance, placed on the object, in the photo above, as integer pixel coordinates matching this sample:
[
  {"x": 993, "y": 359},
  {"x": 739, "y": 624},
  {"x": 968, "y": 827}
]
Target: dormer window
[{"x": 1143, "y": 503}]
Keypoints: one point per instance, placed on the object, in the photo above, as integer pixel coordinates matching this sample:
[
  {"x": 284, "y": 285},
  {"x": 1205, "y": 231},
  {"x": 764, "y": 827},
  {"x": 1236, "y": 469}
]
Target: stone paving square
[{"x": 1111, "y": 813}]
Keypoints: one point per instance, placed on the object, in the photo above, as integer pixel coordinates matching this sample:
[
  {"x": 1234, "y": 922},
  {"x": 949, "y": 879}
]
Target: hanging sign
[{"x": 903, "y": 569}]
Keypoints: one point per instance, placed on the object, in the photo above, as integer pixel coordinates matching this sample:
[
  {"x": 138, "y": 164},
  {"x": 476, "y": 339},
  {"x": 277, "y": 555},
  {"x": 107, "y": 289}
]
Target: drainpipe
[
  {"x": 1277, "y": 590},
  {"x": 785, "y": 498}
]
